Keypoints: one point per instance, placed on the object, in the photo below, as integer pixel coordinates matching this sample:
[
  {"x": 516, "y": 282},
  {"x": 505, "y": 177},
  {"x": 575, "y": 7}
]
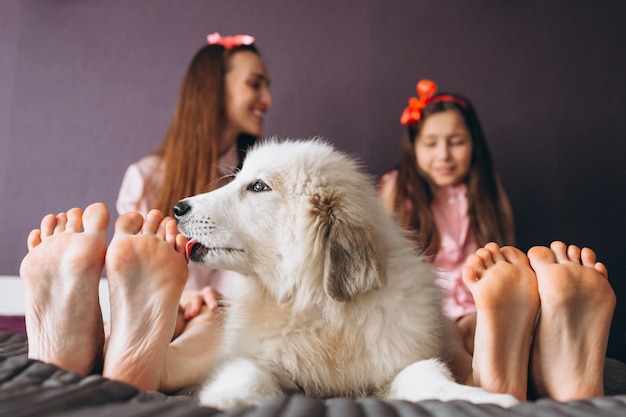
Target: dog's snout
[{"x": 180, "y": 209}]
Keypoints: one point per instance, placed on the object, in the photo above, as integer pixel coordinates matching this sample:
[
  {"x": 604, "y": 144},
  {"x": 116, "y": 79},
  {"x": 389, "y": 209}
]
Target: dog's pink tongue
[{"x": 188, "y": 247}]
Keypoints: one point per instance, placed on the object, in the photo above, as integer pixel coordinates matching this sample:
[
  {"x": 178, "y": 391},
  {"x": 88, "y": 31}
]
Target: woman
[{"x": 219, "y": 114}]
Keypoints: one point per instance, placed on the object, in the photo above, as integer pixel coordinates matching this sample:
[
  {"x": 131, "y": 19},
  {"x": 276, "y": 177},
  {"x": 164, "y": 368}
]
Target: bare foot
[
  {"x": 61, "y": 273},
  {"x": 147, "y": 271},
  {"x": 577, "y": 304},
  {"x": 505, "y": 291}
]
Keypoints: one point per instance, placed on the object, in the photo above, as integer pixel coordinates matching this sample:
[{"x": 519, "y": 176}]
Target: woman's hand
[{"x": 192, "y": 301}]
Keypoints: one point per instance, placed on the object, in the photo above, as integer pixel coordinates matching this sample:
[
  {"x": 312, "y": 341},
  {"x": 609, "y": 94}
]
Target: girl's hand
[{"x": 192, "y": 301}]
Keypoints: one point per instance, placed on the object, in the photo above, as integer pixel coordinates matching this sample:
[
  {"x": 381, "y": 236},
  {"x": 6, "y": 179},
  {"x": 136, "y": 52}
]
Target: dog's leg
[
  {"x": 239, "y": 383},
  {"x": 431, "y": 379}
]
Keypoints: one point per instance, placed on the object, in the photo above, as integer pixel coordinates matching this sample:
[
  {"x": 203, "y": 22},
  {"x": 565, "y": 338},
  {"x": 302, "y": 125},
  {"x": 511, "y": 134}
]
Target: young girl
[
  {"x": 219, "y": 114},
  {"x": 445, "y": 187}
]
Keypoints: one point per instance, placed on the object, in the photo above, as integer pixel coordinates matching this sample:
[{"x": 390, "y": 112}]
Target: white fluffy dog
[{"x": 334, "y": 300}]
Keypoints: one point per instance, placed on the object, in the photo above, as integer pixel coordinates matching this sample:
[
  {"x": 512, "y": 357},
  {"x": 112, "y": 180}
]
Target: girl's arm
[
  {"x": 387, "y": 190},
  {"x": 507, "y": 211}
]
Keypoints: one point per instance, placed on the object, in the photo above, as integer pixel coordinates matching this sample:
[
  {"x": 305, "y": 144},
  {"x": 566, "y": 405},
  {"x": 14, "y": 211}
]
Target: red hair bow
[
  {"x": 229, "y": 42},
  {"x": 426, "y": 90}
]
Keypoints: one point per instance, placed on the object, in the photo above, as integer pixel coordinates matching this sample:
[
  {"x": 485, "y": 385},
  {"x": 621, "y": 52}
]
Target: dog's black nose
[{"x": 180, "y": 209}]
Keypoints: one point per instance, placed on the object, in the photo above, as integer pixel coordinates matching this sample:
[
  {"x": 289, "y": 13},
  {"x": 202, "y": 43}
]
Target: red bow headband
[
  {"x": 228, "y": 42},
  {"x": 426, "y": 89}
]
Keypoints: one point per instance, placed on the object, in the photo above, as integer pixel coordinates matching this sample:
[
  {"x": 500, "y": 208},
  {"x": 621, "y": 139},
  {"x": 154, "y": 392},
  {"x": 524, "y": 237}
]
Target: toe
[
  {"x": 540, "y": 255},
  {"x": 48, "y": 224},
  {"x": 485, "y": 256},
  {"x": 475, "y": 267},
  {"x": 129, "y": 223},
  {"x": 588, "y": 257},
  {"x": 514, "y": 255},
  {"x": 573, "y": 253},
  {"x": 171, "y": 232},
  {"x": 601, "y": 268},
  {"x": 152, "y": 223},
  {"x": 560, "y": 251},
  {"x": 74, "y": 220},
  {"x": 469, "y": 276},
  {"x": 60, "y": 223},
  {"x": 181, "y": 244},
  {"x": 495, "y": 251},
  {"x": 96, "y": 218},
  {"x": 162, "y": 229},
  {"x": 34, "y": 239}
]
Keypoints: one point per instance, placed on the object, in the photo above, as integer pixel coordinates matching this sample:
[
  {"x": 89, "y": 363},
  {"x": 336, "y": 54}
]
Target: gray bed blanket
[{"x": 33, "y": 388}]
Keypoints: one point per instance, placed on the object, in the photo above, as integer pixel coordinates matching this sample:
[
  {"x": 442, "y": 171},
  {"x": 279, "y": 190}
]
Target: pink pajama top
[
  {"x": 147, "y": 173},
  {"x": 450, "y": 213},
  {"x": 449, "y": 209}
]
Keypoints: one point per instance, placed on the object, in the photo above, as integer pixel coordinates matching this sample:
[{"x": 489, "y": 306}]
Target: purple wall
[{"x": 88, "y": 87}]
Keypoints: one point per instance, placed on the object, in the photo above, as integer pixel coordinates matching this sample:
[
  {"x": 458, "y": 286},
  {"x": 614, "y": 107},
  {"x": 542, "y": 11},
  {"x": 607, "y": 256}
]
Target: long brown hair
[
  {"x": 194, "y": 143},
  {"x": 489, "y": 210}
]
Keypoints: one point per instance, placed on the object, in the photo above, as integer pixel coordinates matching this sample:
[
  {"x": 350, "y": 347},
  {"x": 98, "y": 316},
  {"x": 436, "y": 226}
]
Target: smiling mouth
[
  {"x": 195, "y": 251},
  {"x": 444, "y": 171}
]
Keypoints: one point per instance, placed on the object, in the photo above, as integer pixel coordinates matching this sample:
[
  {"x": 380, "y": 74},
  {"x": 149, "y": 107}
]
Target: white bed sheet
[{"x": 12, "y": 297}]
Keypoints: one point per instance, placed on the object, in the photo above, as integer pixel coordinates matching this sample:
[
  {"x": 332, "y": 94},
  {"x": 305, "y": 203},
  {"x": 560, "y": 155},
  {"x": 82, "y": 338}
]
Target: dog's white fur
[{"x": 334, "y": 299}]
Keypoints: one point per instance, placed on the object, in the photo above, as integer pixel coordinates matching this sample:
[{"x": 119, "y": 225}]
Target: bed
[{"x": 33, "y": 388}]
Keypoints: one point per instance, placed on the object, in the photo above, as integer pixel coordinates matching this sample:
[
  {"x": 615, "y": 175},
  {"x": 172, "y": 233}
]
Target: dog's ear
[{"x": 354, "y": 256}]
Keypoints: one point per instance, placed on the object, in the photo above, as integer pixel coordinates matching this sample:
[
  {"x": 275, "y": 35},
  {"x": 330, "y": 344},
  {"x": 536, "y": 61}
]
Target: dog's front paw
[
  {"x": 220, "y": 401},
  {"x": 480, "y": 396},
  {"x": 215, "y": 397},
  {"x": 239, "y": 383},
  {"x": 431, "y": 379}
]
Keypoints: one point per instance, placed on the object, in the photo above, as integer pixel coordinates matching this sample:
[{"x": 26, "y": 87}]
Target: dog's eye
[{"x": 259, "y": 186}]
